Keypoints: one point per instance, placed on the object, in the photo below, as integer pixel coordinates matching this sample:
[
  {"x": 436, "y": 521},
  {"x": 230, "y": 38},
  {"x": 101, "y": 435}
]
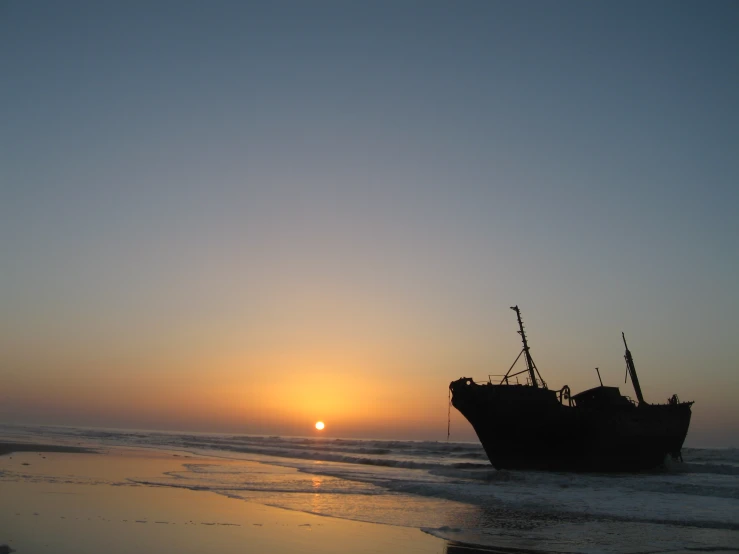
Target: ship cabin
[{"x": 601, "y": 397}]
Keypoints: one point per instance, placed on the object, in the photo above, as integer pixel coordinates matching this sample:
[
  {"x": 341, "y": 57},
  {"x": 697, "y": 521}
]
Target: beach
[
  {"x": 15, "y": 447},
  {"x": 60, "y": 503},
  {"x": 92, "y": 490}
]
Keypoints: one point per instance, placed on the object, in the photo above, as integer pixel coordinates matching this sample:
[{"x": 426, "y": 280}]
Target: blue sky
[{"x": 383, "y": 180}]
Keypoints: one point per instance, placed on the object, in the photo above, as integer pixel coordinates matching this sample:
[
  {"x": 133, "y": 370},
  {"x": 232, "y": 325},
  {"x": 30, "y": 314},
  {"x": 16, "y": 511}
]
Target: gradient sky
[{"x": 245, "y": 217}]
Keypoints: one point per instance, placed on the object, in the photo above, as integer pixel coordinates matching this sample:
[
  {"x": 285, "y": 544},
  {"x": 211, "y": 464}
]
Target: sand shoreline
[
  {"x": 71, "y": 501},
  {"x": 14, "y": 447}
]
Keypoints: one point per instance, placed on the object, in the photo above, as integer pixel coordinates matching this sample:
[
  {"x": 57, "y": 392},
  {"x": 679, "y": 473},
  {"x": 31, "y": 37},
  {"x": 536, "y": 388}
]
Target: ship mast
[
  {"x": 529, "y": 362},
  {"x": 632, "y": 371}
]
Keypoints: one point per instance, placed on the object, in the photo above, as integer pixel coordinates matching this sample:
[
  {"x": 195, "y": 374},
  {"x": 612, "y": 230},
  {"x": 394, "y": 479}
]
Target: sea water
[{"x": 450, "y": 490}]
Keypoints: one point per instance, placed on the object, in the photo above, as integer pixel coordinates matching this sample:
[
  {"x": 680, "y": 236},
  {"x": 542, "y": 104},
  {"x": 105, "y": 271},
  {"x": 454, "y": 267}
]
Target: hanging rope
[{"x": 449, "y": 416}]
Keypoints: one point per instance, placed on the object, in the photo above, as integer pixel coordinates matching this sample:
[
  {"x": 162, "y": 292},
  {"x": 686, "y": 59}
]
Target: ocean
[{"x": 449, "y": 489}]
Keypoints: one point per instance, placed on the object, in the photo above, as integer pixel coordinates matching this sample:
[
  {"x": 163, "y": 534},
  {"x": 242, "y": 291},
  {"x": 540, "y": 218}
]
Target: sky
[{"x": 249, "y": 216}]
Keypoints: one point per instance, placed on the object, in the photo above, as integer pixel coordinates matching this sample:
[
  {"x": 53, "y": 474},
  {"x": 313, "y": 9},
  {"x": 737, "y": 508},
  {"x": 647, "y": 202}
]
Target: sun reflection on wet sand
[{"x": 86, "y": 503}]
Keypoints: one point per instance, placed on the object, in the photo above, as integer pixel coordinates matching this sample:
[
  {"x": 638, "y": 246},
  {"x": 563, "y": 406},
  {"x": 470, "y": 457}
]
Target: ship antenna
[
  {"x": 632, "y": 371},
  {"x": 530, "y": 365}
]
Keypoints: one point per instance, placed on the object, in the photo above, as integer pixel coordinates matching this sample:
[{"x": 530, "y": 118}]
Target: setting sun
[{"x": 319, "y": 425}]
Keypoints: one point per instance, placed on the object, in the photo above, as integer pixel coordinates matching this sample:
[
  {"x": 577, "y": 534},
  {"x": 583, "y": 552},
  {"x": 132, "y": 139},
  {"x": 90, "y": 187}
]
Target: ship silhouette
[{"x": 529, "y": 426}]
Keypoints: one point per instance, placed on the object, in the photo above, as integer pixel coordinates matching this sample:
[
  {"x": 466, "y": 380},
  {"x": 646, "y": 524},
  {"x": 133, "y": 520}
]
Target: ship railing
[{"x": 509, "y": 379}]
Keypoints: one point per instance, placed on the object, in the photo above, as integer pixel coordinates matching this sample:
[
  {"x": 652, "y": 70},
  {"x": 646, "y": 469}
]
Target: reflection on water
[
  {"x": 443, "y": 489},
  {"x": 81, "y": 504}
]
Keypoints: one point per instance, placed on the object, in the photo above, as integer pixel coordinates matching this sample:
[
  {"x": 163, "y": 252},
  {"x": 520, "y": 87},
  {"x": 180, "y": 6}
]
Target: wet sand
[
  {"x": 11, "y": 447},
  {"x": 64, "y": 503}
]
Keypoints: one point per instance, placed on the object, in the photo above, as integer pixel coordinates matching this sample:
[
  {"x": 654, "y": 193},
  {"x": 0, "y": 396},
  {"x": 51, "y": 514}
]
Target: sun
[{"x": 320, "y": 425}]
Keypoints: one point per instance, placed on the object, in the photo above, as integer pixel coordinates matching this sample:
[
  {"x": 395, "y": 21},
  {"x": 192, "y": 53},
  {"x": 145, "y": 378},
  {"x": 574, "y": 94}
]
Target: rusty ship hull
[
  {"x": 529, "y": 426},
  {"x": 521, "y": 427}
]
